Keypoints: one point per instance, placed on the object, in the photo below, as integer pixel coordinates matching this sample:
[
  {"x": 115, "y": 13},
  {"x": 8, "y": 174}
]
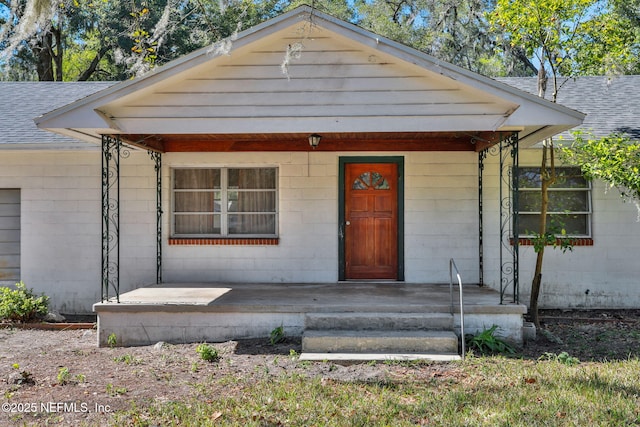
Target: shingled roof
[
  {"x": 612, "y": 104},
  {"x": 22, "y": 101}
]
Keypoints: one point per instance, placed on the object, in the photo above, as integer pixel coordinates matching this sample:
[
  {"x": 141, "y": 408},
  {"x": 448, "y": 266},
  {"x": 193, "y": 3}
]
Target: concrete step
[
  {"x": 376, "y": 341},
  {"x": 356, "y": 357},
  {"x": 379, "y": 321}
]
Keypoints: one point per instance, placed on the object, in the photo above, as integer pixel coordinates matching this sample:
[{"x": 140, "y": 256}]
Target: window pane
[
  {"x": 529, "y": 178},
  {"x": 196, "y": 178},
  {"x": 574, "y": 225},
  {"x": 528, "y": 224},
  {"x": 197, "y": 224},
  {"x": 252, "y": 201},
  {"x": 529, "y": 201},
  {"x": 252, "y": 224},
  {"x": 252, "y": 179},
  {"x": 197, "y": 201},
  {"x": 569, "y": 178},
  {"x": 568, "y": 201}
]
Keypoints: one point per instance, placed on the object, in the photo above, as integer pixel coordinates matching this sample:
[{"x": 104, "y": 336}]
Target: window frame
[
  {"x": 588, "y": 189},
  {"x": 224, "y": 212}
]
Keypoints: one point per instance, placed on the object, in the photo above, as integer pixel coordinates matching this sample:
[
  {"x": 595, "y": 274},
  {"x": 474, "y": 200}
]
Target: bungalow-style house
[{"x": 308, "y": 161}]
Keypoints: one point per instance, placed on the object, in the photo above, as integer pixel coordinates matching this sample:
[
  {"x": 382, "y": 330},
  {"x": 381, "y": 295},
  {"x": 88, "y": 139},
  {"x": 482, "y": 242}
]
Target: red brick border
[
  {"x": 271, "y": 241},
  {"x": 578, "y": 241}
]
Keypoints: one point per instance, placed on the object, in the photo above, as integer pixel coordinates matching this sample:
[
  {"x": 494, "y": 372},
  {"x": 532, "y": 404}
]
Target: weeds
[
  {"x": 487, "y": 343},
  {"x": 277, "y": 335},
  {"x": 112, "y": 340},
  {"x": 563, "y": 358},
  {"x": 114, "y": 391},
  {"x": 207, "y": 352},
  {"x": 64, "y": 377},
  {"x": 127, "y": 359}
]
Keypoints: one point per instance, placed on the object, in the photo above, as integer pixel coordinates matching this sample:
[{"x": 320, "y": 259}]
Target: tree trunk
[
  {"x": 547, "y": 176},
  {"x": 44, "y": 60}
]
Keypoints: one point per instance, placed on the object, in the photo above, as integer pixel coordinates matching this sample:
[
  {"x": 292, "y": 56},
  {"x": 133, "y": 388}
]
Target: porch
[{"x": 199, "y": 312}]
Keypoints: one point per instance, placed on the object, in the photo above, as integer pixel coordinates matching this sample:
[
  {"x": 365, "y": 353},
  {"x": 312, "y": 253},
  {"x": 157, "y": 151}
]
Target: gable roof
[
  {"x": 21, "y": 101},
  {"x": 453, "y": 99},
  {"x": 610, "y": 103}
]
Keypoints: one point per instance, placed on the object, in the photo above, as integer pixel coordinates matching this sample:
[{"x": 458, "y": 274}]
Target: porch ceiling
[{"x": 374, "y": 141}]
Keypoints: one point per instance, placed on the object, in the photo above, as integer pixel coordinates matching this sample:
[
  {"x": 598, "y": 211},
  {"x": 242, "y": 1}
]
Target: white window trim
[
  {"x": 224, "y": 208},
  {"x": 588, "y": 213}
]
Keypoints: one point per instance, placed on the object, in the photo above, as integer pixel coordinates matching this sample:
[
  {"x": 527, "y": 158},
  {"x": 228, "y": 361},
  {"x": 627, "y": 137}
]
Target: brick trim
[
  {"x": 224, "y": 241},
  {"x": 577, "y": 241}
]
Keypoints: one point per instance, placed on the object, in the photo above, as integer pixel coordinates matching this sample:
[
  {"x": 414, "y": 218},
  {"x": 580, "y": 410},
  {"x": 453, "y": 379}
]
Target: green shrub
[
  {"x": 22, "y": 304},
  {"x": 207, "y": 352}
]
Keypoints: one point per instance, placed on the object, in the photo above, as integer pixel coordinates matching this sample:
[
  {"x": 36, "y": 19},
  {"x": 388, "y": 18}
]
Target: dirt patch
[{"x": 62, "y": 378}]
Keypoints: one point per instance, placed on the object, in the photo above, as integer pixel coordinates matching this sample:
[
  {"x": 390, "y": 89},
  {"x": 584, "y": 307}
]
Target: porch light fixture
[{"x": 314, "y": 140}]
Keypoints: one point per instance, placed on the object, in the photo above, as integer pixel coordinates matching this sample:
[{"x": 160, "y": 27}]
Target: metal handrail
[{"x": 452, "y": 266}]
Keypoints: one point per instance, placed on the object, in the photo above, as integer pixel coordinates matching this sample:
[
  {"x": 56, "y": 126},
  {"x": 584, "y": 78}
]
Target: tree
[
  {"x": 614, "y": 159},
  {"x": 112, "y": 40},
  {"x": 567, "y": 38}
]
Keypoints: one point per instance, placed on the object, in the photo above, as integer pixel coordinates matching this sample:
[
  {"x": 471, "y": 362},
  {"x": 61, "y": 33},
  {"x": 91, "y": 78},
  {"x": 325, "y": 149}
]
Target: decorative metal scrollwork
[
  {"x": 157, "y": 160},
  {"x": 507, "y": 152},
  {"x": 111, "y": 154}
]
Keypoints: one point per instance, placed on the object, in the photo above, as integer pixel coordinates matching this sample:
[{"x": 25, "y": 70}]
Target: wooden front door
[{"x": 371, "y": 221}]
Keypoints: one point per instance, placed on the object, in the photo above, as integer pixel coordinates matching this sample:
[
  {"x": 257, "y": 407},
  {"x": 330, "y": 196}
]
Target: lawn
[{"x": 483, "y": 391}]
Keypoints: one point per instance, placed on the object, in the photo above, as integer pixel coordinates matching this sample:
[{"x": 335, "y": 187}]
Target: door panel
[{"x": 371, "y": 221}]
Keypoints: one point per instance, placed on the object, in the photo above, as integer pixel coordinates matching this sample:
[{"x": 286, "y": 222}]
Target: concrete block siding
[
  {"x": 604, "y": 275},
  {"x": 61, "y": 228},
  {"x": 61, "y": 223}
]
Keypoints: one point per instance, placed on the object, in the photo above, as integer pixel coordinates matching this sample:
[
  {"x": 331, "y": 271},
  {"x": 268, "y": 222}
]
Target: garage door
[{"x": 9, "y": 235}]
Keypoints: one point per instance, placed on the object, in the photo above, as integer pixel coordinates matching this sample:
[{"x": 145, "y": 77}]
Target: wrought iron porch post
[
  {"x": 111, "y": 147},
  {"x": 481, "y": 156},
  {"x": 157, "y": 159},
  {"x": 509, "y": 217}
]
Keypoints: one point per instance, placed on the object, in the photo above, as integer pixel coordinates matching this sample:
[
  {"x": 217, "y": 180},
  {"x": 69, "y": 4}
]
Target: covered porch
[
  {"x": 368, "y": 160},
  {"x": 200, "y": 312}
]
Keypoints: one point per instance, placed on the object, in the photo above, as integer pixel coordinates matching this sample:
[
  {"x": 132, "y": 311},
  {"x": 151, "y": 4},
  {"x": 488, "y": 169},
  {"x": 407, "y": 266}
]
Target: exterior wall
[
  {"x": 605, "y": 275},
  {"x": 61, "y": 228},
  {"x": 440, "y": 220},
  {"x": 61, "y": 223}
]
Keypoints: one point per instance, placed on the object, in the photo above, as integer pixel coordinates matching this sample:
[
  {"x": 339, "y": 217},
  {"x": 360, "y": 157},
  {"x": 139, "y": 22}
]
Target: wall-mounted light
[{"x": 314, "y": 140}]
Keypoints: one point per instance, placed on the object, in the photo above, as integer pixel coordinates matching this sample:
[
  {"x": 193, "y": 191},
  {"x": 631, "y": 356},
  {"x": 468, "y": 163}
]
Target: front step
[
  {"x": 380, "y": 342},
  {"x": 379, "y": 321},
  {"x": 358, "y": 357}
]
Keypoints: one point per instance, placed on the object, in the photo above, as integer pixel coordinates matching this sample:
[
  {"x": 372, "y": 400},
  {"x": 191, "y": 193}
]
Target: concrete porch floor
[{"x": 197, "y": 312}]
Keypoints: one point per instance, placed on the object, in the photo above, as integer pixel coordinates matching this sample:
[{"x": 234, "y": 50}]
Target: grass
[{"x": 484, "y": 391}]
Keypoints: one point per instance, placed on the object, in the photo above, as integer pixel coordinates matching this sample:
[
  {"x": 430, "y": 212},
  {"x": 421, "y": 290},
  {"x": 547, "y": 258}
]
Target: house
[{"x": 303, "y": 151}]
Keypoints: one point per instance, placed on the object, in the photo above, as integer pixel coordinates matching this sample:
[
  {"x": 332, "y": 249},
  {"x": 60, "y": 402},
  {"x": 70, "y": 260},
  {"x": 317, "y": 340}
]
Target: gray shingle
[
  {"x": 21, "y": 102},
  {"x": 611, "y": 104}
]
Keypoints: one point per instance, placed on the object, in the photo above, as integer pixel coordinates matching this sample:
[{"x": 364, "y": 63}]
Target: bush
[{"x": 21, "y": 304}]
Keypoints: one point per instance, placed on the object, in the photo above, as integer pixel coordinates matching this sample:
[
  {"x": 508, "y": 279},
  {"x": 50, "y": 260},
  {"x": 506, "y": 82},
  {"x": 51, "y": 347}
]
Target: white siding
[
  {"x": 61, "y": 228},
  {"x": 335, "y": 85},
  {"x": 61, "y": 223},
  {"x": 605, "y": 275},
  {"x": 440, "y": 220}
]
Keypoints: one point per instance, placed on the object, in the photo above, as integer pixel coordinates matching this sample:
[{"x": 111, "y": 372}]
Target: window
[
  {"x": 569, "y": 202},
  {"x": 9, "y": 235},
  {"x": 225, "y": 202}
]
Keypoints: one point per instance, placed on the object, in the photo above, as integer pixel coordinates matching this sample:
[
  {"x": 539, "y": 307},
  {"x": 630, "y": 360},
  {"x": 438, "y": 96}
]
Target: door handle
[{"x": 348, "y": 223}]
